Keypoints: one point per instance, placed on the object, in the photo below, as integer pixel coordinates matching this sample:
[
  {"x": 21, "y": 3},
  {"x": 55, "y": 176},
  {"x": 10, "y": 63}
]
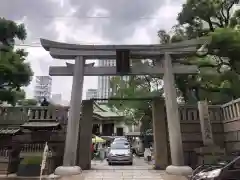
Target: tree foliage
[
  {"x": 15, "y": 72},
  {"x": 28, "y": 102},
  {"x": 218, "y": 77},
  {"x": 219, "y": 70},
  {"x": 136, "y": 88}
]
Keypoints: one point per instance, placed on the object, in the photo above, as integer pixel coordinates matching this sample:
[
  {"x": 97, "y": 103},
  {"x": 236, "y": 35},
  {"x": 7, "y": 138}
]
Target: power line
[
  {"x": 39, "y": 45},
  {"x": 96, "y": 17},
  {"x": 27, "y": 45}
]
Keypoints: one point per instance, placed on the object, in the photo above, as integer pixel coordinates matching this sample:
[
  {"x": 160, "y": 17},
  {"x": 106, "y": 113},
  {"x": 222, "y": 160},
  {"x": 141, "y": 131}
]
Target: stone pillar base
[
  {"x": 67, "y": 173},
  {"x": 177, "y": 172}
]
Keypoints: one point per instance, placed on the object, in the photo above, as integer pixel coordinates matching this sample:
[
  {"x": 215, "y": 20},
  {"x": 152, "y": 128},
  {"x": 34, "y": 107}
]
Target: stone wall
[
  {"x": 191, "y": 129},
  {"x": 225, "y": 121},
  {"x": 231, "y": 125}
]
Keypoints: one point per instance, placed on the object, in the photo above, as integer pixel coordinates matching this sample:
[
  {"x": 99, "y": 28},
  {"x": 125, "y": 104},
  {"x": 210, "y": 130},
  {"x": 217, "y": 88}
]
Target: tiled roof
[
  {"x": 40, "y": 124},
  {"x": 104, "y": 111},
  {"x": 107, "y": 114},
  {"x": 9, "y": 130}
]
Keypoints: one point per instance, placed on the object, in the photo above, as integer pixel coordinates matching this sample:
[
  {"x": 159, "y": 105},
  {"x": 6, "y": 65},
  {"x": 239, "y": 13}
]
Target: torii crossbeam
[{"x": 111, "y": 70}]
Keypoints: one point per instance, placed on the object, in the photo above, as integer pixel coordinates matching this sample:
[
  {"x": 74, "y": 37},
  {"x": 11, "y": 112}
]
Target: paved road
[{"x": 139, "y": 170}]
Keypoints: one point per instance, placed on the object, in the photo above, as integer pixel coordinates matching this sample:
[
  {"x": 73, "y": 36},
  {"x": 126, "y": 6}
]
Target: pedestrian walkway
[
  {"x": 139, "y": 170},
  {"x": 122, "y": 174}
]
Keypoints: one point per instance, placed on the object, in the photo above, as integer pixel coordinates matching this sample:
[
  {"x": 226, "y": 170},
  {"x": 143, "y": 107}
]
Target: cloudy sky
[{"x": 77, "y": 21}]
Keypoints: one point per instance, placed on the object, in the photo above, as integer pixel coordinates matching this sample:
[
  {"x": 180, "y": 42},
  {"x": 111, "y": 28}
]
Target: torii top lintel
[{"x": 70, "y": 51}]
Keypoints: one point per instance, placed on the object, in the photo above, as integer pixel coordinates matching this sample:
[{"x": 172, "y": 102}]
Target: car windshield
[
  {"x": 119, "y": 146},
  {"x": 120, "y": 141}
]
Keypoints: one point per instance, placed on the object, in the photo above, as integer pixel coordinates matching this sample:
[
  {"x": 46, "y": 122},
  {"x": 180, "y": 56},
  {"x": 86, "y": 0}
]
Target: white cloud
[{"x": 126, "y": 27}]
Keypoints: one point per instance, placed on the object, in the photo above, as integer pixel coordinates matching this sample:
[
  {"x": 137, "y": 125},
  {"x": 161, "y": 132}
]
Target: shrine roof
[
  {"x": 104, "y": 111},
  {"x": 40, "y": 124},
  {"x": 9, "y": 131}
]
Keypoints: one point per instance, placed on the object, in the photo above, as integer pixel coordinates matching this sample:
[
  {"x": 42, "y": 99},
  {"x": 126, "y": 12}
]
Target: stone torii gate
[{"x": 165, "y": 66}]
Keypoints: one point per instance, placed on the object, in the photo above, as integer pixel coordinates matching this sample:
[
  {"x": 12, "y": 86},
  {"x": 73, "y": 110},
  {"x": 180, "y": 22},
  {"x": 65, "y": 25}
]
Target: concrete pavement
[
  {"x": 133, "y": 174},
  {"x": 139, "y": 170}
]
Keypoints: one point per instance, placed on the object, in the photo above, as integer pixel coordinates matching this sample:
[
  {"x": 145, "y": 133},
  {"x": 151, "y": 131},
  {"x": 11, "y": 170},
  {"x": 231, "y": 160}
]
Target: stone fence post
[
  {"x": 206, "y": 127},
  {"x": 210, "y": 152}
]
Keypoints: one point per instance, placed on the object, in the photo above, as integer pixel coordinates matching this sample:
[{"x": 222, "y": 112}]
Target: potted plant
[{"x": 30, "y": 166}]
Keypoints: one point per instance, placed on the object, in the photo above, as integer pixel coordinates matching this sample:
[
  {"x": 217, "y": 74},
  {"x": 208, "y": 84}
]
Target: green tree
[
  {"x": 218, "y": 77},
  {"x": 215, "y": 19},
  {"x": 135, "y": 87},
  {"x": 15, "y": 72},
  {"x": 200, "y": 17},
  {"x": 28, "y": 102}
]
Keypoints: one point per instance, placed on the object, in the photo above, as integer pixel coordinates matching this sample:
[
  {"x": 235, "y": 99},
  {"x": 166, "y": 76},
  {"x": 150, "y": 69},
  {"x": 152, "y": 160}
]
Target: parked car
[
  {"x": 121, "y": 140},
  {"x": 225, "y": 169},
  {"x": 120, "y": 153},
  {"x": 137, "y": 147},
  {"x": 117, "y": 139}
]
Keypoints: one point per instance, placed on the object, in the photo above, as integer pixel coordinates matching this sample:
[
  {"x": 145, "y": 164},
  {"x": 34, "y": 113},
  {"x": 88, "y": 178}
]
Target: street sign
[{"x": 122, "y": 61}]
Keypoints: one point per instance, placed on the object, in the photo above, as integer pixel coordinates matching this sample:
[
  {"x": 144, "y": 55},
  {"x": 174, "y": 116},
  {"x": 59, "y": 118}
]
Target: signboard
[
  {"x": 44, "y": 159},
  {"x": 122, "y": 61},
  {"x": 206, "y": 127}
]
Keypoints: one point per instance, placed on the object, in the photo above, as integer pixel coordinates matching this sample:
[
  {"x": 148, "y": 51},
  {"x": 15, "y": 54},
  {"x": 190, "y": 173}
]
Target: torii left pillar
[{"x": 69, "y": 167}]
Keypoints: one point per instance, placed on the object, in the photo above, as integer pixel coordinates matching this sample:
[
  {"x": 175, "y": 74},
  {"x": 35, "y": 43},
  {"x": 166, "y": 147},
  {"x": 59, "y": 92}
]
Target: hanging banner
[{"x": 44, "y": 159}]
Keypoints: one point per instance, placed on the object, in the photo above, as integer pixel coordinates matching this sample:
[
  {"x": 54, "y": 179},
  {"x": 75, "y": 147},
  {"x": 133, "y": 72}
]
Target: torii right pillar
[{"x": 177, "y": 169}]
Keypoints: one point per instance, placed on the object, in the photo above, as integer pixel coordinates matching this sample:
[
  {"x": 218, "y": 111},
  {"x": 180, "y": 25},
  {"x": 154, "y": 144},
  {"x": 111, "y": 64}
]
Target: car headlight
[
  {"x": 201, "y": 175},
  {"x": 213, "y": 173}
]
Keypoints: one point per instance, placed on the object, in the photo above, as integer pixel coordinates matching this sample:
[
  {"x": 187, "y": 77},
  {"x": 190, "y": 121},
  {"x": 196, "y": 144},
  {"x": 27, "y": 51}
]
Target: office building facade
[
  {"x": 91, "y": 93},
  {"x": 104, "y": 89},
  {"x": 43, "y": 88}
]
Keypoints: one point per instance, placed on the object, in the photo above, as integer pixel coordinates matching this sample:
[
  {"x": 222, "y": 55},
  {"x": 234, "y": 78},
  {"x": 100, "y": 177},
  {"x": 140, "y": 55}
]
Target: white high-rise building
[
  {"x": 56, "y": 98},
  {"x": 43, "y": 88},
  {"x": 91, "y": 93},
  {"x": 104, "y": 89}
]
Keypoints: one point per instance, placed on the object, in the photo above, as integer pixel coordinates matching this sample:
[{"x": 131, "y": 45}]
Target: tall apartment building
[
  {"x": 43, "y": 88},
  {"x": 104, "y": 89},
  {"x": 91, "y": 93}
]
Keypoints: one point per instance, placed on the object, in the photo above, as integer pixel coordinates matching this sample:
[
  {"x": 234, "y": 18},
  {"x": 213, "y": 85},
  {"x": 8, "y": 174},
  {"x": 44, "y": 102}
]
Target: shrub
[{"x": 32, "y": 160}]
